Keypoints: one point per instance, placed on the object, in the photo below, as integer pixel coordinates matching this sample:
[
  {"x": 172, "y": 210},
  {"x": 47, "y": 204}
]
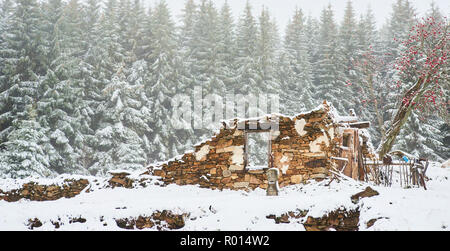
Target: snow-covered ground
[{"x": 397, "y": 208}]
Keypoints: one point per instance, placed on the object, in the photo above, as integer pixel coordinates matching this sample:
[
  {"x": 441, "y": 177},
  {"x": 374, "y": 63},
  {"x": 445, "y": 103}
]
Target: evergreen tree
[
  {"x": 121, "y": 140},
  {"x": 61, "y": 103},
  {"x": 348, "y": 41},
  {"x": 348, "y": 49},
  {"x": 421, "y": 137},
  {"x": 226, "y": 47},
  {"x": 187, "y": 32},
  {"x": 144, "y": 48},
  {"x": 266, "y": 49},
  {"x": 137, "y": 31},
  {"x": 396, "y": 30},
  {"x": 366, "y": 31},
  {"x": 91, "y": 13},
  {"x": 162, "y": 83},
  {"x": 311, "y": 29},
  {"x": 295, "y": 72},
  {"x": 205, "y": 62},
  {"x": 329, "y": 80},
  {"x": 186, "y": 37},
  {"x": 247, "y": 73},
  {"x": 92, "y": 77},
  {"x": 445, "y": 140},
  {"x": 23, "y": 153},
  {"x": 204, "y": 52},
  {"x": 24, "y": 58},
  {"x": 370, "y": 83},
  {"x": 6, "y": 7},
  {"x": 114, "y": 52},
  {"x": 402, "y": 19},
  {"x": 52, "y": 12},
  {"x": 126, "y": 38},
  {"x": 102, "y": 60},
  {"x": 24, "y": 52}
]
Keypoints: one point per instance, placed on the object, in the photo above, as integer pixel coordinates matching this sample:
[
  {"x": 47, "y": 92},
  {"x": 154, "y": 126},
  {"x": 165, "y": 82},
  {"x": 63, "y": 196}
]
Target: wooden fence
[{"x": 408, "y": 174}]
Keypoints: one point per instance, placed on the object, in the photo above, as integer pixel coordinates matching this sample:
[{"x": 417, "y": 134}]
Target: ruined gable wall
[
  {"x": 301, "y": 150},
  {"x": 304, "y": 146}
]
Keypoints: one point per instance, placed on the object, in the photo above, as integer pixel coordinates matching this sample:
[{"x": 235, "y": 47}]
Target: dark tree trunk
[{"x": 402, "y": 115}]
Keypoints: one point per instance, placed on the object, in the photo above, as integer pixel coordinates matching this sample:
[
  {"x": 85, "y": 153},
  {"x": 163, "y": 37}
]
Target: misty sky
[{"x": 282, "y": 10}]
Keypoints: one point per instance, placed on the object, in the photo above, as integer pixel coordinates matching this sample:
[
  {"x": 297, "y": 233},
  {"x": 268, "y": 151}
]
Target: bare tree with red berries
[{"x": 424, "y": 63}]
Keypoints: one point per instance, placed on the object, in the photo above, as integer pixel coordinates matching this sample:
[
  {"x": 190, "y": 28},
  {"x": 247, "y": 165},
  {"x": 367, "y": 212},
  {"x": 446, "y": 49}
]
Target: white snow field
[{"x": 396, "y": 208}]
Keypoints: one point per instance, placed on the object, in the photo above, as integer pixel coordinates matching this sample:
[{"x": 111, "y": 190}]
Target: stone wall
[
  {"x": 35, "y": 192},
  {"x": 301, "y": 150},
  {"x": 165, "y": 220},
  {"x": 158, "y": 220},
  {"x": 338, "y": 220}
]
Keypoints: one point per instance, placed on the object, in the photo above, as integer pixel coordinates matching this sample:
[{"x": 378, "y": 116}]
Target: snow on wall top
[{"x": 233, "y": 124}]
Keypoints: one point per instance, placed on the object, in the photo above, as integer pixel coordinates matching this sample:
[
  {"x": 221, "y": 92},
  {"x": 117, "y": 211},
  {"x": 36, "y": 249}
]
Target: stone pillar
[{"x": 272, "y": 176}]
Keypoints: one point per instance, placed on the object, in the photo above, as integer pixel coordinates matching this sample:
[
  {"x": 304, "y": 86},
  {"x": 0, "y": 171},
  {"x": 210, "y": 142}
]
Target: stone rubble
[
  {"x": 339, "y": 220},
  {"x": 165, "y": 220},
  {"x": 367, "y": 193},
  {"x": 120, "y": 180}
]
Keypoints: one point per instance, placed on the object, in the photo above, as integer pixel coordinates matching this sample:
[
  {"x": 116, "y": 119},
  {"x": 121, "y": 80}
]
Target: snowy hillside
[{"x": 203, "y": 209}]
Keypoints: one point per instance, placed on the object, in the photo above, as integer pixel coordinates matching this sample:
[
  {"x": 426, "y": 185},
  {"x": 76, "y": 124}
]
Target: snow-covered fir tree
[
  {"x": 204, "y": 53},
  {"x": 24, "y": 61},
  {"x": 6, "y": 8},
  {"x": 101, "y": 62},
  {"x": 294, "y": 70},
  {"x": 329, "y": 81},
  {"x": 120, "y": 143},
  {"x": 370, "y": 81},
  {"x": 266, "y": 50},
  {"x": 396, "y": 30},
  {"x": 348, "y": 49},
  {"x": 60, "y": 103},
  {"x": 24, "y": 153},
  {"x": 162, "y": 83},
  {"x": 186, "y": 29},
  {"x": 226, "y": 48},
  {"x": 402, "y": 19},
  {"x": 137, "y": 31},
  {"x": 311, "y": 28},
  {"x": 422, "y": 138},
  {"x": 246, "y": 62}
]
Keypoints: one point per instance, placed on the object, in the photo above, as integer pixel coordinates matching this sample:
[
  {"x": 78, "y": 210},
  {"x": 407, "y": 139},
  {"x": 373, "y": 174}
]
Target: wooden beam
[{"x": 360, "y": 125}]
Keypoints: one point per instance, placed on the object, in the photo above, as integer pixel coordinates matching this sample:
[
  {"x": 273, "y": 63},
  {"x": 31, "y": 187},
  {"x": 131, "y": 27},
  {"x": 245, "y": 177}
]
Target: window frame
[{"x": 246, "y": 148}]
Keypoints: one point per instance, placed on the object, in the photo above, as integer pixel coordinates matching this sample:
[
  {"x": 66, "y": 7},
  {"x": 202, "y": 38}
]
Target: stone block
[
  {"x": 226, "y": 173},
  {"x": 296, "y": 179},
  {"x": 319, "y": 176},
  {"x": 241, "y": 184},
  {"x": 226, "y": 180},
  {"x": 236, "y": 168},
  {"x": 254, "y": 180}
]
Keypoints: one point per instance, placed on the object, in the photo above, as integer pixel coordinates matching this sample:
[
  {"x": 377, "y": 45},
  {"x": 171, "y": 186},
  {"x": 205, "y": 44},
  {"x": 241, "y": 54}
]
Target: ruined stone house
[{"x": 304, "y": 147}]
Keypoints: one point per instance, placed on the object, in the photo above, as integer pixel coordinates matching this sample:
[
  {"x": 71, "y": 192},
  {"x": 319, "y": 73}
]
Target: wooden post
[{"x": 272, "y": 177}]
